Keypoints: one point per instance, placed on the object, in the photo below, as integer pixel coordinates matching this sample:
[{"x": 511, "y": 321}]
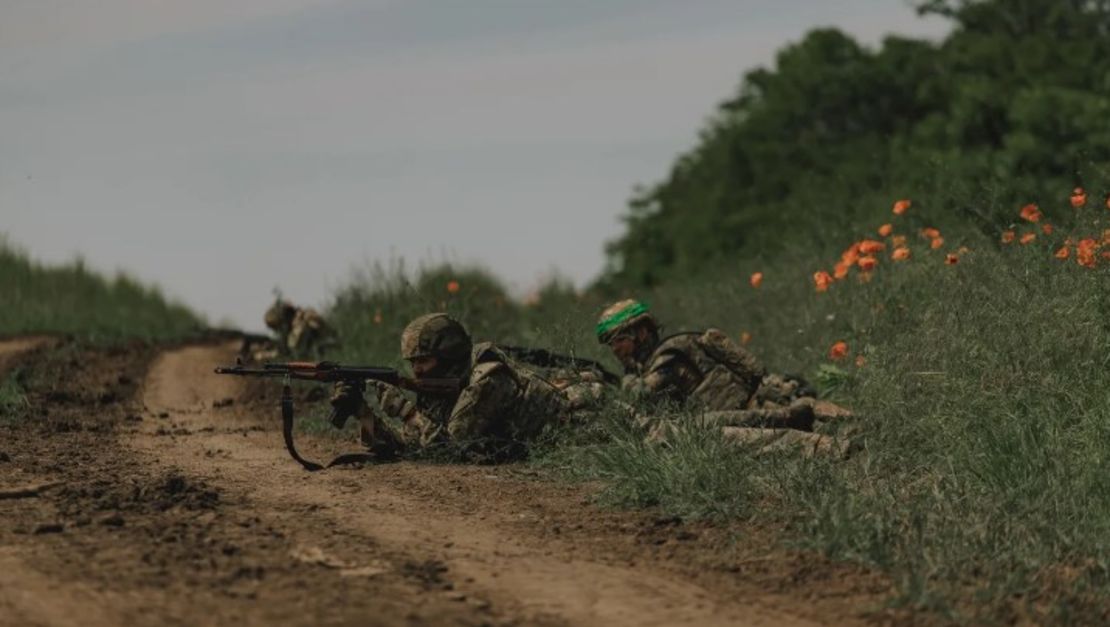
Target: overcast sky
[{"x": 221, "y": 148}]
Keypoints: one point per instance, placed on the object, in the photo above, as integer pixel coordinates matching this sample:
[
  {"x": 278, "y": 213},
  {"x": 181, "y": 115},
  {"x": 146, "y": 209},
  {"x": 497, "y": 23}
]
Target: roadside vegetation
[
  {"x": 71, "y": 299},
  {"x": 976, "y": 366}
]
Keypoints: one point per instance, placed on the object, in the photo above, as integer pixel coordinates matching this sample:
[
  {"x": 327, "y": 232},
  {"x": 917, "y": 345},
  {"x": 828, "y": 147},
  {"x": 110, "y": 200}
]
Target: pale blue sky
[{"x": 222, "y": 148}]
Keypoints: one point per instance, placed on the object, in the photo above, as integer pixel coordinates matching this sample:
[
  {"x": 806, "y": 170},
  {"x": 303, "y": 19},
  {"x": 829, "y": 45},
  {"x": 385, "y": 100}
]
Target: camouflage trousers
[{"x": 767, "y": 430}]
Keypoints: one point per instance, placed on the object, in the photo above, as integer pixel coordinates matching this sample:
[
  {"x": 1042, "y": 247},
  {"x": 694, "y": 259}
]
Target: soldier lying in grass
[
  {"x": 724, "y": 384},
  {"x": 500, "y": 407},
  {"x": 301, "y": 331}
]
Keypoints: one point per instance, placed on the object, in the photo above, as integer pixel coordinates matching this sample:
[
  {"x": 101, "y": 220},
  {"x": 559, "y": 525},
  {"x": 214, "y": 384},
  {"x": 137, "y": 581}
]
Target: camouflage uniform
[
  {"x": 500, "y": 407},
  {"x": 709, "y": 373},
  {"x": 301, "y": 331}
]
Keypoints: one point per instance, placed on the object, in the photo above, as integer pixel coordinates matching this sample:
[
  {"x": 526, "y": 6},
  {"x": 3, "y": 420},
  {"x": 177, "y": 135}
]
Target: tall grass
[
  {"x": 71, "y": 299},
  {"x": 983, "y": 483}
]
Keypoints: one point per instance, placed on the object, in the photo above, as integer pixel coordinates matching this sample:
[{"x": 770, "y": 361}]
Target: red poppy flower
[
  {"x": 1030, "y": 213},
  {"x": 838, "y": 351}
]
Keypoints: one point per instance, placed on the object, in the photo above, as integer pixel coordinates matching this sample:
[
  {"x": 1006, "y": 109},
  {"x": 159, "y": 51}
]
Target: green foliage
[
  {"x": 71, "y": 299},
  {"x": 1012, "y": 107}
]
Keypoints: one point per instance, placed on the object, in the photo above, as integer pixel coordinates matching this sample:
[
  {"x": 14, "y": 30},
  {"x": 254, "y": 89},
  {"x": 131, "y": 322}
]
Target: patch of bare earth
[{"x": 177, "y": 504}]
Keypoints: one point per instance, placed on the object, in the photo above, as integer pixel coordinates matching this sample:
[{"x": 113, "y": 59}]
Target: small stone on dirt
[
  {"x": 43, "y": 528},
  {"x": 4, "y": 457},
  {"x": 112, "y": 520},
  {"x": 362, "y": 571},
  {"x": 225, "y": 402},
  {"x": 164, "y": 414}
]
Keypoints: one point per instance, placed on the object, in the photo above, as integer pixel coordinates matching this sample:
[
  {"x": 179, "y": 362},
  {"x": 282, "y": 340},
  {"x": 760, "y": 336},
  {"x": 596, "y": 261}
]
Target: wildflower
[
  {"x": 841, "y": 270},
  {"x": 822, "y": 280},
  {"x": 930, "y": 233},
  {"x": 901, "y": 206},
  {"x": 898, "y": 241},
  {"x": 851, "y": 255},
  {"x": 951, "y": 259},
  {"x": 1027, "y": 238},
  {"x": 452, "y": 287},
  {"x": 838, "y": 351},
  {"x": 1047, "y": 228},
  {"x": 900, "y": 254},
  {"x": 936, "y": 243},
  {"x": 757, "y": 279},
  {"x": 1106, "y": 254},
  {"x": 1007, "y": 237},
  {"x": 1085, "y": 253},
  {"x": 963, "y": 250},
  {"x": 886, "y": 230},
  {"x": 745, "y": 338},
  {"x": 1106, "y": 236},
  {"x": 1063, "y": 253},
  {"x": 867, "y": 264},
  {"x": 860, "y": 361},
  {"x": 1078, "y": 197},
  {"x": 870, "y": 247},
  {"x": 1030, "y": 213},
  {"x": 378, "y": 316}
]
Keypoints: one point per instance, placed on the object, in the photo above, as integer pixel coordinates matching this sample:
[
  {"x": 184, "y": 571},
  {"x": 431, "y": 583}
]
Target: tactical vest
[{"x": 710, "y": 369}]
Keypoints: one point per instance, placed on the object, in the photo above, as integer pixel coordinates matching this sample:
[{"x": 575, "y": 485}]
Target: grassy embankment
[
  {"x": 983, "y": 488},
  {"x": 74, "y": 301}
]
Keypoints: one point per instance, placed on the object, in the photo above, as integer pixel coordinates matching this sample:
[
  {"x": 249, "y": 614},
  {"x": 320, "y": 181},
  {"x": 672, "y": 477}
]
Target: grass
[
  {"x": 13, "y": 398},
  {"x": 71, "y": 299},
  {"x": 983, "y": 484}
]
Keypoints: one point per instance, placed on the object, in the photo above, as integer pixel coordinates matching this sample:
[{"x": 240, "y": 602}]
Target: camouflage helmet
[
  {"x": 621, "y": 316},
  {"x": 436, "y": 335},
  {"x": 280, "y": 313}
]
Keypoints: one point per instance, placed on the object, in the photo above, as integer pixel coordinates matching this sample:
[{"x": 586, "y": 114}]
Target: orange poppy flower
[
  {"x": 861, "y": 361},
  {"x": 936, "y": 243},
  {"x": 452, "y": 287},
  {"x": 867, "y": 264},
  {"x": 822, "y": 280},
  {"x": 1007, "y": 237},
  {"x": 901, "y": 206},
  {"x": 757, "y": 279},
  {"x": 745, "y": 338},
  {"x": 931, "y": 233},
  {"x": 838, "y": 351},
  {"x": 898, "y": 241},
  {"x": 1030, "y": 213},
  {"x": 1063, "y": 253},
  {"x": 1027, "y": 238},
  {"x": 1047, "y": 228},
  {"x": 886, "y": 230},
  {"x": 951, "y": 259},
  {"x": 841, "y": 270},
  {"x": 1078, "y": 197},
  {"x": 1086, "y": 258},
  {"x": 870, "y": 247},
  {"x": 900, "y": 254},
  {"x": 1087, "y": 244}
]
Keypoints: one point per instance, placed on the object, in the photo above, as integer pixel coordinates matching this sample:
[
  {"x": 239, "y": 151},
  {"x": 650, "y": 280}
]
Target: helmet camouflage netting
[{"x": 435, "y": 335}]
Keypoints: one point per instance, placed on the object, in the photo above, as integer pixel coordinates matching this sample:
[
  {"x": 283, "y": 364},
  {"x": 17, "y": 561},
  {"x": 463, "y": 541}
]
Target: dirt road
[{"x": 185, "y": 509}]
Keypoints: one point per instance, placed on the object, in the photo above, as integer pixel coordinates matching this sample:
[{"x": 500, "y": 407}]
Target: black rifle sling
[{"x": 287, "y": 435}]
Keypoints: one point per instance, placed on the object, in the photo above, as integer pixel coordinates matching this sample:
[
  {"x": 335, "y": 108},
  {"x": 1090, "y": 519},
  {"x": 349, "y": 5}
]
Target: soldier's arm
[
  {"x": 487, "y": 399},
  {"x": 663, "y": 379}
]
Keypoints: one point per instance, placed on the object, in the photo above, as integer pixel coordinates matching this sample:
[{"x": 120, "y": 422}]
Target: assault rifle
[
  {"x": 331, "y": 372},
  {"x": 544, "y": 358}
]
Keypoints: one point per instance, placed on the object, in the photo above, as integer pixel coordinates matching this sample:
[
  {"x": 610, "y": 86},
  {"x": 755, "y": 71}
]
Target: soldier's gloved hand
[
  {"x": 391, "y": 400},
  {"x": 346, "y": 401}
]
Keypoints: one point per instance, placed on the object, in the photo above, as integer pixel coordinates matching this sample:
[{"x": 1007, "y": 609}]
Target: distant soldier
[
  {"x": 711, "y": 374},
  {"x": 301, "y": 331},
  {"x": 500, "y": 408}
]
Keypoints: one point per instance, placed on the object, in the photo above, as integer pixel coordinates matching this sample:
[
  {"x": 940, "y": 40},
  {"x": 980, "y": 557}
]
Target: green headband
[{"x": 615, "y": 320}]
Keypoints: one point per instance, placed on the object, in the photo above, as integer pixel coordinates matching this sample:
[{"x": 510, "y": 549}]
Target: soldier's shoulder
[{"x": 679, "y": 343}]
